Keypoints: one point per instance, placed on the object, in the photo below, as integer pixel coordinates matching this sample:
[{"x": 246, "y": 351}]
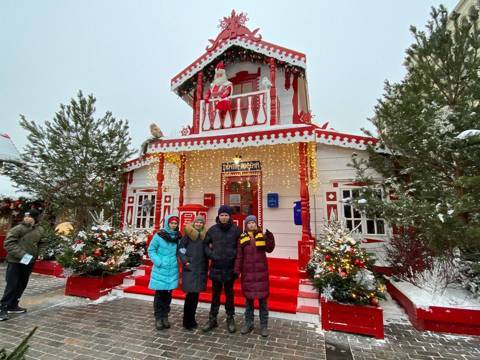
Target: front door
[{"x": 241, "y": 194}]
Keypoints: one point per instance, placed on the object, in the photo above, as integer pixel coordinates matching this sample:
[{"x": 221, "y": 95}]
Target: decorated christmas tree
[
  {"x": 102, "y": 248},
  {"x": 342, "y": 270}
]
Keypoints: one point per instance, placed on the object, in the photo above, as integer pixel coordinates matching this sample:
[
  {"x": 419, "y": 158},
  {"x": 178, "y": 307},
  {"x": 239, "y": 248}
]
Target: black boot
[
  {"x": 159, "y": 324},
  {"x": 165, "y": 322},
  {"x": 264, "y": 331},
  {"x": 246, "y": 328},
  {"x": 231, "y": 324},
  {"x": 3, "y": 313},
  {"x": 211, "y": 324}
]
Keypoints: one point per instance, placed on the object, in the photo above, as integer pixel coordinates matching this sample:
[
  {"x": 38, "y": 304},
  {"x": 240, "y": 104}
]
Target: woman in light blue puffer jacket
[{"x": 164, "y": 277}]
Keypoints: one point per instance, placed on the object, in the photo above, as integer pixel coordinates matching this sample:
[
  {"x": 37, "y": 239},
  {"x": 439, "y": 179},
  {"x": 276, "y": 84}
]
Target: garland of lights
[
  {"x": 312, "y": 165},
  {"x": 235, "y": 54},
  {"x": 282, "y": 161}
]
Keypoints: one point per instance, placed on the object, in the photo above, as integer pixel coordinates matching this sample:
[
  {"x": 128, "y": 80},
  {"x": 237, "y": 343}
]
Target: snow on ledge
[{"x": 453, "y": 297}]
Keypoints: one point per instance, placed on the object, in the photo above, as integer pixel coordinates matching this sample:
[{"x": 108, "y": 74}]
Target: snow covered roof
[
  {"x": 235, "y": 33},
  {"x": 8, "y": 151},
  {"x": 252, "y": 136}
]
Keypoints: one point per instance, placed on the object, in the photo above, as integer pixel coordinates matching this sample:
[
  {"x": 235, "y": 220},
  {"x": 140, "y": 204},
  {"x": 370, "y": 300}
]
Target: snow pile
[
  {"x": 468, "y": 133},
  {"x": 453, "y": 296}
]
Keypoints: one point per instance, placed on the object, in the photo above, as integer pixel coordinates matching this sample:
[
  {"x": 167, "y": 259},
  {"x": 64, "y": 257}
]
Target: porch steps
[{"x": 308, "y": 300}]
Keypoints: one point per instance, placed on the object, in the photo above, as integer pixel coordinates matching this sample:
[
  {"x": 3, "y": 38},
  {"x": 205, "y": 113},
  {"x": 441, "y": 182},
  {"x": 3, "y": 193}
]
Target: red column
[
  {"x": 295, "y": 99},
  {"x": 125, "y": 177},
  {"x": 181, "y": 178},
  {"x": 159, "y": 196},
  {"x": 198, "y": 98},
  {"x": 305, "y": 245},
  {"x": 273, "y": 93}
]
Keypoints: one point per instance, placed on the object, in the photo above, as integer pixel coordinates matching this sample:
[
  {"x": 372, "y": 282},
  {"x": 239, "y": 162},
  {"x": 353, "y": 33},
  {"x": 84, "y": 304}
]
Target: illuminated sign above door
[{"x": 242, "y": 166}]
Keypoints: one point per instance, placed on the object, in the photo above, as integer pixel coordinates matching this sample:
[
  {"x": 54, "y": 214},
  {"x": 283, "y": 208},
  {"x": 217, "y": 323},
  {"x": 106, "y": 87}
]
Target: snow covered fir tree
[
  {"x": 342, "y": 270},
  {"x": 427, "y": 126}
]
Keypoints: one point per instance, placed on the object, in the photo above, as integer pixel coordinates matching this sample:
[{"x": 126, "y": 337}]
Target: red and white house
[{"x": 260, "y": 156}]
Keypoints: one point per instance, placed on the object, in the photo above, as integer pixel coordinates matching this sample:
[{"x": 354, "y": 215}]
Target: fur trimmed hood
[{"x": 194, "y": 234}]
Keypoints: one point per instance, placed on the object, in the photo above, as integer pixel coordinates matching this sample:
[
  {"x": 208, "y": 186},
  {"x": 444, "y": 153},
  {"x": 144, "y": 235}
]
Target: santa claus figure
[{"x": 220, "y": 89}]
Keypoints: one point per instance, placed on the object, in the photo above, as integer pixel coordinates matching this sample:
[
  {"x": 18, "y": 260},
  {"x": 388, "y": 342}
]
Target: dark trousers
[
  {"x": 216, "y": 291},
  {"x": 16, "y": 278},
  {"x": 190, "y": 309},
  {"x": 161, "y": 303},
  {"x": 249, "y": 308}
]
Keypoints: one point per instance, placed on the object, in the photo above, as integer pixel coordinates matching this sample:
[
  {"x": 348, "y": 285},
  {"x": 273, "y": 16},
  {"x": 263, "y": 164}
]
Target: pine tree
[
  {"x": 74, "y": 161},
  {"x": 431, "y": 171},
  {"x": 19, "y": 352}
]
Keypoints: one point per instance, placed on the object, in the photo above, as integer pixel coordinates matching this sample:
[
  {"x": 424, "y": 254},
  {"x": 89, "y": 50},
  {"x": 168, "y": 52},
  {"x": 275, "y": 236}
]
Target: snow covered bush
[
  {"x": 342, "y": 270},
  {"x": 469, "y": 268},
  {"x": 435, "y": 279},
  {"x": 407, "y": 254},
  {"x": 56, "y": 245}
]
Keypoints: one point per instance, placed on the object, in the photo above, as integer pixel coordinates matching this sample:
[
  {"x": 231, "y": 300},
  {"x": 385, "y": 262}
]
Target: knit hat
[
  {"x": 199, "y": 218},
  {"x": 225, "y": 209},
  {"x": 172, "y": 218},
  {"x": 250, "y": 218},
  {"x": 33, "y": 213}
]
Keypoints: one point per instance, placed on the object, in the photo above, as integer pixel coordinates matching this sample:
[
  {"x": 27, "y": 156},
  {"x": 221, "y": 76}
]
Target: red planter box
[
  {"x": 48, "y": 267},
  {"x": 357, "y": 319},
  {"x": 438, "y": 318},
  {"x": 3, "y": 252},
  {"x": 93, "y": 287}
]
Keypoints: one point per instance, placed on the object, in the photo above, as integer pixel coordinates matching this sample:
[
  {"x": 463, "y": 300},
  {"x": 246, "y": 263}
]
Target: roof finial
[{"x": 234, "y": 26}]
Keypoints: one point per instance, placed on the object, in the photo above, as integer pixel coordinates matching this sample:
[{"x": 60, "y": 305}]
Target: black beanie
[
  {"x": 33, "y": 213},
  {"x": 225, "y": 209}
]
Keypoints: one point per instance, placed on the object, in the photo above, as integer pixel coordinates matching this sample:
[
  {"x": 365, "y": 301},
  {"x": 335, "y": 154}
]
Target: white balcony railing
[{"x": 246, "y": 110}]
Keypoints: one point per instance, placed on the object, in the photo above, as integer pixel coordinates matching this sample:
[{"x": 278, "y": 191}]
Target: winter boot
[
  {"x": 159, "y": 324},
  {"x": 246, "y": 328},
  {"x": 3, "y": 313},
  {"x": 165, "y": 322},
  {"x": 211, "y": 324},
  {"x": 264, "y": 331},
  {"x": 231, "y": 324}
]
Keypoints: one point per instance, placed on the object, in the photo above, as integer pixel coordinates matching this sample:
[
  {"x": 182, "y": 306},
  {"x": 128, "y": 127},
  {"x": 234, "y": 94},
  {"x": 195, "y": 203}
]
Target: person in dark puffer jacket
[
  {"x": 191, "y": 251},
  {"x": 24, "y": 243},
  {"x": 252, "y": 265},
  {"x": 221, "y": 248}
]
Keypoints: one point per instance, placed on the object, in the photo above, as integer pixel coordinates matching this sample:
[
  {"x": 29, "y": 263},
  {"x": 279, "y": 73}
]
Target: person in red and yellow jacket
[{"x": 251, "y": 264}]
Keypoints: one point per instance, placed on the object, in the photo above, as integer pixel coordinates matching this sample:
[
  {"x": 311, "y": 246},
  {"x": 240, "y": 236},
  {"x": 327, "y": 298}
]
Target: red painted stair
[{"x": 284, "y": 278}]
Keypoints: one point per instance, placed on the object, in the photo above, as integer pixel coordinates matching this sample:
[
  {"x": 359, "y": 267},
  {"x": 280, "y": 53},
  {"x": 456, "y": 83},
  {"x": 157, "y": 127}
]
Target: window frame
[
  {"x": 363, "y": 219},
  {"x": 139, "y": 213}
]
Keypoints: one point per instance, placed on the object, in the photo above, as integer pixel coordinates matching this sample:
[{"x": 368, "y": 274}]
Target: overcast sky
[{"x": 126, "y": 52}]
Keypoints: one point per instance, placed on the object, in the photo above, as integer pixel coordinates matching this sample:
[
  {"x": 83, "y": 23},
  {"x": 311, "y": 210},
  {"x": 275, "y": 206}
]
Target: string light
[{"x": 312, "y": 165}]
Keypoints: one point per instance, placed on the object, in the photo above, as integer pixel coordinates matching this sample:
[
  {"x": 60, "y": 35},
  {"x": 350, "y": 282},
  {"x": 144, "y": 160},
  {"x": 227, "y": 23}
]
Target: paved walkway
[{"x": 119, "y": 328}]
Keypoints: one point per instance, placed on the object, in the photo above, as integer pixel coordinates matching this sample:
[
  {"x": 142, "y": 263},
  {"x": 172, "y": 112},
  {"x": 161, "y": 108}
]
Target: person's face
[
  {"x": 224, "y": 217},
  {"x": 198, "y": 225},
  {"x": 173, "y": 225},
  {"x": 251, "y": 225},
  {"x": 27, "y": 219}
]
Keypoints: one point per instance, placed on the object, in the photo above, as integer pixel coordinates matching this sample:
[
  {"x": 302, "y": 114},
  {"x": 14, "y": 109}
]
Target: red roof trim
[{"x": 194, "y": 66}]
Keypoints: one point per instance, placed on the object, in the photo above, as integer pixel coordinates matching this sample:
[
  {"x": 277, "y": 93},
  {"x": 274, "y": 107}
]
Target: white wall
[{"x": 279, "y": 174}]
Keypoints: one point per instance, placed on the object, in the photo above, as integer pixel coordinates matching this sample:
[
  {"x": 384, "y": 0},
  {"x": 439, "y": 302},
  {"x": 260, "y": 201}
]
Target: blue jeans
[{"x": 249, "y": 309}]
